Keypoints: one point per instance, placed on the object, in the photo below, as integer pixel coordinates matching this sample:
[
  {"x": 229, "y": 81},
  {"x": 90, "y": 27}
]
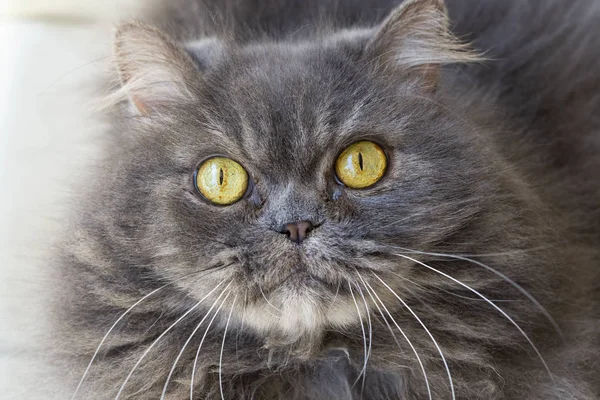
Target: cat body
[{"x": 469, "y": 271}]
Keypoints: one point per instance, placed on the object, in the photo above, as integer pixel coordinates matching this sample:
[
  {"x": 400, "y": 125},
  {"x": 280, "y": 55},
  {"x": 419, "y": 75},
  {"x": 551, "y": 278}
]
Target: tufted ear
[
  {"x": 154, "y": 70},
  {"x": 416, "y": 38}
]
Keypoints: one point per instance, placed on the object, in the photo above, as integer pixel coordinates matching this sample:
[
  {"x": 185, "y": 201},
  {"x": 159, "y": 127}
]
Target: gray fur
[{"x": 499, "y": 160}]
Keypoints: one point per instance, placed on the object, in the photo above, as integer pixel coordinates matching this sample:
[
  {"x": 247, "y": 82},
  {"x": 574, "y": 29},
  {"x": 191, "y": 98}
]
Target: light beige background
[
  {"x": 91, "y": 9},
  {"x": 50, "y": 53}
]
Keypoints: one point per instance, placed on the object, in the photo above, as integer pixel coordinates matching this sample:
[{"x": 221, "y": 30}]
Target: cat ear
[
  {"x": 416, "y": 38},
  {"x": 154, "y": 70}
]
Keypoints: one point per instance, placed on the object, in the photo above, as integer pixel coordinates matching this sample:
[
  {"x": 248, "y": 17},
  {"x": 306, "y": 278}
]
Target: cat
[{"x": 340, "y": 199}]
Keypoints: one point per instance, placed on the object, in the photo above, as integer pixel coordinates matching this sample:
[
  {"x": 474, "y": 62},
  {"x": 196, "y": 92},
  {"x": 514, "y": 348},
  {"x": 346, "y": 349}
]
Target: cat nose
[{"x": 297, "y": 231}]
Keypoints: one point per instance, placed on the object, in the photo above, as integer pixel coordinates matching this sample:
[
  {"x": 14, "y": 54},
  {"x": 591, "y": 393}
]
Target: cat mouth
[{"x": 300, "y": 278}]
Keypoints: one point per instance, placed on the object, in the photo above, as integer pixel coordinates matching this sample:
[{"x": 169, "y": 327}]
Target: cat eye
[
  {"x": 221, "y": 180},
  {"x": 361, "y": 165}
]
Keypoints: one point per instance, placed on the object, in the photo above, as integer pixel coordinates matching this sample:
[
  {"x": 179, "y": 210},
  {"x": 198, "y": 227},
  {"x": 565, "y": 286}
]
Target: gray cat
[{"x": 342, "y": 199}]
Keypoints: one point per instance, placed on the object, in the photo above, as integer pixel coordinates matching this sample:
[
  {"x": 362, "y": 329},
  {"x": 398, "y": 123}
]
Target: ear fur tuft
[
  {"x": 416, "y": 38},
  {"x": 153, "y": 69}
]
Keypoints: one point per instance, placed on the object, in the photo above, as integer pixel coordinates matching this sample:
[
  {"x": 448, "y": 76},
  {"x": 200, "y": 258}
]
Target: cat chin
[{"x": 296, "y": 315}]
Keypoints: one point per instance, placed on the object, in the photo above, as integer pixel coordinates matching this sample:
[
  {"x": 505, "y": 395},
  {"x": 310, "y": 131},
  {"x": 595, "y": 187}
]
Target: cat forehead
[
  {"x": 277, "y": 77},
  {"x": 287, "y": 104}
]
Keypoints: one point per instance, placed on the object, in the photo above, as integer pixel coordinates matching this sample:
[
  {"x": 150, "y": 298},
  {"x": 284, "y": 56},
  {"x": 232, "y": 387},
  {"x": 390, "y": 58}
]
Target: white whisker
[
  {"x": 242, "y": 324},
  {"x": 428, "y": 333},
  {"x": 370, "y": 333},
  {"x": 160, "y": 337},
  {"x": 164, "y": 392},
  {"x": 450, "y": 293},
  {"x": 501, "y": 275},
  {"x": 222, "y": 347},
  {"x": 362, "y": 327},
  {"x": 202, "y": 342},
  {"x": 108, "y": 333},
  {"x": 267, "y": 300},
  {"x": 425, "y": 212},
  {"x": 367, "y": 287},
  {"x": 384, "y": 318},
  {"x": 337, "y": 292},
  {"x": 474, "y": 299},
  {"x": 115, "y": 324},
  {"x": 501, "y": 311}
]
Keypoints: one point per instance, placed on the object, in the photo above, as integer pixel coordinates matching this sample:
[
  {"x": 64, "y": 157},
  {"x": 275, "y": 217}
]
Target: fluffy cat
[{"x": 469, "y": 270}]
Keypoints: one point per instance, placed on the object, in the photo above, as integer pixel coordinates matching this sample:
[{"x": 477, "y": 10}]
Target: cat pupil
[
  {"x": 360, "y": 161},
  {"x": 221, "y": 176}
]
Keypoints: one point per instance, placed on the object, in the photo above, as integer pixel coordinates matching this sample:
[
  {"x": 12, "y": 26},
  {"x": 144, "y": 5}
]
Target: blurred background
[{"x": 51, "y": 52}]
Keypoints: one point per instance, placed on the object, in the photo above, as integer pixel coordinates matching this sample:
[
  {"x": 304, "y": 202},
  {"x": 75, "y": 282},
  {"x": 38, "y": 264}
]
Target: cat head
[{"x": 268, "y": 123}]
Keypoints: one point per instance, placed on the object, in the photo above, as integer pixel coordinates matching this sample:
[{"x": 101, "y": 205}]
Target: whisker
[
  {"x": 337, "y": 292},
  {"x": 474, "y": 299},
  {"x": 450, "y": 293},
  {"x": 164, "y": 392},
  {"x": 367, "y": 287},
  {"x": 428, "y": 333},
  {"x": 160, "y": 337},
  {"x": 222, "y": 347},
  {"x": 370, "y": 335},
  {"x": 501, "y": 311},
  {"x": 242, "y": 324},
  {"x": 108, "y": 333},
  {"x": 113, "y": 326},
  {"x": 384, "y": 318},
  {"x": 267, "y": 300},
  {"x": 466, "y": 202},
  {"x": 202, "y": 342},
  {"x": 362, "y": 328},
  {"x": 503, "y": 253},
  {"x": 501, "y": 275}
]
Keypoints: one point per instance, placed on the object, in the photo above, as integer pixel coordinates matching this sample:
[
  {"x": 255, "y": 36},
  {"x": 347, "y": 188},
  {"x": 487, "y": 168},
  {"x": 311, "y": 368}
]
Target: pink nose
[{"x": 297, "y": 231}]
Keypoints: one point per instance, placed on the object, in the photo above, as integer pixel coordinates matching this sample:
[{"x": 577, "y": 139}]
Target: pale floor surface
[{"x": 46, "y": 140}]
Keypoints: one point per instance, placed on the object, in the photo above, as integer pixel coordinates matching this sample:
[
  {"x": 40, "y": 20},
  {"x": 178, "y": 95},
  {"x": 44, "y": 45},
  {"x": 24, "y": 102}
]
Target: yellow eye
[
  {"x": 222, "y": 180},
  {"x": 361, "y": 165}
]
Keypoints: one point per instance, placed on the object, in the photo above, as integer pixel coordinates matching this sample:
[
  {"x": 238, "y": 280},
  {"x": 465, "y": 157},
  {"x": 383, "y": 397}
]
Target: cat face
[{"x": 285, "y": 114}]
